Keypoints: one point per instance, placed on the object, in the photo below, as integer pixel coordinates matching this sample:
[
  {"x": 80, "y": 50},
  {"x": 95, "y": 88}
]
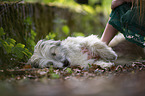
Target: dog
[{"x": 69, "y": 52}]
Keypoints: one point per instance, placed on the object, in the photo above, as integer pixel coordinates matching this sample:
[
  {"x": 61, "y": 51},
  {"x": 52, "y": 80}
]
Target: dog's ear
[{"x": 58, "y": 43}]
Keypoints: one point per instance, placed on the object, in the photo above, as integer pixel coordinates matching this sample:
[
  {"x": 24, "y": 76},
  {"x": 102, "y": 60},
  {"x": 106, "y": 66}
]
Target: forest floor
[{"x": 127, "y": 80}]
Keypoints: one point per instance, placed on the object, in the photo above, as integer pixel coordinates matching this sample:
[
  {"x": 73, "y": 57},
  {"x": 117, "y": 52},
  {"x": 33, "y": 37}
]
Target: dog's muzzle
[{"x": 66, "y": 63}]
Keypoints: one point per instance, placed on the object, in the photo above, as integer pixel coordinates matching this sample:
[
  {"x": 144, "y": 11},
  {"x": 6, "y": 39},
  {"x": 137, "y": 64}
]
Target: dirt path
[{"x": 106, "y": 84}]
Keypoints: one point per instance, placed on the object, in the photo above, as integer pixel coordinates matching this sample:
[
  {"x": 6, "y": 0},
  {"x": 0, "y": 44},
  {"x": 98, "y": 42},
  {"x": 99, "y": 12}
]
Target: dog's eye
[
  {"x": 50, "y": 63},
  {"x": 53, "y": 54}
]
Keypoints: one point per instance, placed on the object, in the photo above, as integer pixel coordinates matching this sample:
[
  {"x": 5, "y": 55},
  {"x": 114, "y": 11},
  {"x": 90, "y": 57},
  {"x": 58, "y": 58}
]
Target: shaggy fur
[{"x": 69, "y": 52}]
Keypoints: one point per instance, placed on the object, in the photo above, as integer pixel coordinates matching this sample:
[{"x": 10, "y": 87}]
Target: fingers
[{"x": 116, "y": 3}]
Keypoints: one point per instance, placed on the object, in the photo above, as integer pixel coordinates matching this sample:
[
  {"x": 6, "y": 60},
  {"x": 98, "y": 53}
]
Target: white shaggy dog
[{"x": 69, "y": 52}]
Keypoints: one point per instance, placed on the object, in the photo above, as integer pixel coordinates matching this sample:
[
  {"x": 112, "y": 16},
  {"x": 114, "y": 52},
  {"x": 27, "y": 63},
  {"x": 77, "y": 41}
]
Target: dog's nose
[{"x": 66, "y": 63}]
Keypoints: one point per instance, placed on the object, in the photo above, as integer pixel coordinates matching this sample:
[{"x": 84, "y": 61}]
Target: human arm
[{"x": 108, "y": 33}]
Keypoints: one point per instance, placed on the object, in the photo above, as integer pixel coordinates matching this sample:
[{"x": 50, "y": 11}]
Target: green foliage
[
  {"x": 31, "y": 40},
  {"x": 7, "y": 44},
  {"x": 50, "y": 36},
  {"x": 107, "y": 6},
  {"x": 69, "y": 70},
  {"x": 19, "y": 50},
  {"x": 1, "y": 32},
  {"x": 53, "y": 75},
  {"x": 72, "y": 4},
  {"x": 89, "y": 9},
  {"x": 51, "y": 69},
  {"x": 75, "y": 34},
  {"x": 89, "y": 65},
  {"x": 10, "y": 0},
  {"x": 31, "y": 36},
  {"x": 66, "y": 29},
  {"x": 61, "y": 30},
  {"x": 28, "y": 21},
  {"x": 77, "y": 20},
  {"x": 53, "y": 1},
  {"x": 11, "y": 50}
]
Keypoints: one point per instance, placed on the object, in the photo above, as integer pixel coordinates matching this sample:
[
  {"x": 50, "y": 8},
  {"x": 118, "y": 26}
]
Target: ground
[{"x": 127, "y": 80}]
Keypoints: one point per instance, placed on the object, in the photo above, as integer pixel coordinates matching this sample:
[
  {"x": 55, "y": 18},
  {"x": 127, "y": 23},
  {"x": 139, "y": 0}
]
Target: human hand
[{"x": 116, "y": 3}]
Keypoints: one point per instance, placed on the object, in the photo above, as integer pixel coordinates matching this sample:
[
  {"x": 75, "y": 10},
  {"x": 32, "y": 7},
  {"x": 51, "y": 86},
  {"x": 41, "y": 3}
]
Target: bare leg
[{"x": 109, "y": 33}]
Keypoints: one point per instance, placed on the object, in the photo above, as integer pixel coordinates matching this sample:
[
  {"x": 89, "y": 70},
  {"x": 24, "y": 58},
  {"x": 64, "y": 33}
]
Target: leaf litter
[
  {"x": 119, "y": 80},
  {"x": 65, "y": 73}
]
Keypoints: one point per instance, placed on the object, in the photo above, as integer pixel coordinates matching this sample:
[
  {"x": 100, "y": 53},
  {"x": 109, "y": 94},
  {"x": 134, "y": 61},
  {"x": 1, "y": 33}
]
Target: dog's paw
[
  {"x": 107, "y": 55},
  {"x": 111, "y": 57},
  {"x": 54, "y": 64},
  {"x": 103, "y": 64}
]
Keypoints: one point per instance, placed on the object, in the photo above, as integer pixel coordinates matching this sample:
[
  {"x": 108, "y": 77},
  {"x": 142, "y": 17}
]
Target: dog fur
[{"x": 69, "y": 52}]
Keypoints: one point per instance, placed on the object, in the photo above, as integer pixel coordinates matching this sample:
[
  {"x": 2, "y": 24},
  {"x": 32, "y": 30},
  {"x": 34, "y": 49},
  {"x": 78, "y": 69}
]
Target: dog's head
[{"x": 48, "y": 53}]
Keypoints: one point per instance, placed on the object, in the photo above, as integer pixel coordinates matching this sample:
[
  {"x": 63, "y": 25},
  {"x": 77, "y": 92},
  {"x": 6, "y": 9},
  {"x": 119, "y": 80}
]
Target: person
[{"x": 127, "y": 16}]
